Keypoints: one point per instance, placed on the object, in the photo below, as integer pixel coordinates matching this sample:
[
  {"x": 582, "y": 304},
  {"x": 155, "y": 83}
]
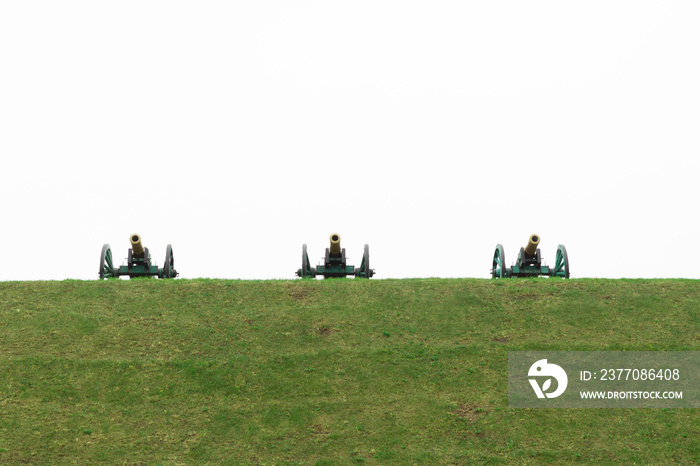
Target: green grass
[{"x": 325, "y": 372}]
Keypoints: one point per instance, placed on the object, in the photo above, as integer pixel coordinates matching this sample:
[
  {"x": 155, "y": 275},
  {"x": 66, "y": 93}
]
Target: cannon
[
  {"x": 334, "y": 264},
  {"x": 138, "y": 262},
  {"x": 529, "y": 263}
]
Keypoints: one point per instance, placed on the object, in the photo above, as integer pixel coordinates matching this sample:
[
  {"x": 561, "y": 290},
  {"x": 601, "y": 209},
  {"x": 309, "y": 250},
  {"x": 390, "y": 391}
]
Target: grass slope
[{"x": 323, "y": 372}]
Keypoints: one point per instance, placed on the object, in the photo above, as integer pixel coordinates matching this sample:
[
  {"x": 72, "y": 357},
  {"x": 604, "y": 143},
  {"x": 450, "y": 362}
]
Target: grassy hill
[{"x": 325, "y": 372}]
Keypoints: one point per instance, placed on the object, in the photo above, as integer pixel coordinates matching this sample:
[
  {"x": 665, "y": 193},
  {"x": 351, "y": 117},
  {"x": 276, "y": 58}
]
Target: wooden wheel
[
  {"x": 106, "y": 265},
  {"x": 561, "y": 266},
  {"x": 305, "y": 270},
  {"x": 498, "y": 267},
  {"x": 169, "y": 267},
  {"x": 365, "y": 271}
]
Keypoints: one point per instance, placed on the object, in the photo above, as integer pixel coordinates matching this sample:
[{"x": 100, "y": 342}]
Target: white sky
[{"x": 236, "y": 131}]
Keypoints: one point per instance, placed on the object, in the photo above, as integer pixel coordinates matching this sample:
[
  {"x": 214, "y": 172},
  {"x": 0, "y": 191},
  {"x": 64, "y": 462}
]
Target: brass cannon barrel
[
  {"x": 136, "y": 245},
  {"x": 335, "y": 244},
  {"x": 532, "y": 243}
]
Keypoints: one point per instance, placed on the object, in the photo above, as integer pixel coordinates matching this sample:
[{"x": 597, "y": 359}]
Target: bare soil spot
[
  {"x": 325, "y": 331},
  {"x": 299, "y": 295},
  {"x": 470, "y": 412},
  {"x": 298, "y": 291},
  {"x": 320, "y": 433}
]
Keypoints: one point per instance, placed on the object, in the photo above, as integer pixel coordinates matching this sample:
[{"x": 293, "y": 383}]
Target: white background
[{"x": 236, "y": 131}]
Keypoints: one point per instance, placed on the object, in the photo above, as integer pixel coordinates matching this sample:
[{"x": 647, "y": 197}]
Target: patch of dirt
[
  {"x": 299, "y": 295},
  {"x": 500, "y": 340},
  {"x": 320, "y": 433},
  {"x": 470, "y": 412},
  {"x": 325, "y": 331},
  {"x": 528, "y": 297},
  {"x": 299, "y": 292}
]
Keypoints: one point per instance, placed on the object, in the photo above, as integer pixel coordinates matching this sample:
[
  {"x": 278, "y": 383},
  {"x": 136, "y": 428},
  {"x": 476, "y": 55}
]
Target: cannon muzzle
[
  {"x": 335, "y": 244},
  {"x": 532, "y": 243},
  {"x": 136, "y": 246}
]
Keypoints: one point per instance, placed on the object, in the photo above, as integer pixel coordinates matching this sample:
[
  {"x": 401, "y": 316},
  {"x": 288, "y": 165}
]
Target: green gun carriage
[
  {"x": 138, "y": 262},
  {"x": 334, "y": 264},
  {"x": 529, "y": 263}
]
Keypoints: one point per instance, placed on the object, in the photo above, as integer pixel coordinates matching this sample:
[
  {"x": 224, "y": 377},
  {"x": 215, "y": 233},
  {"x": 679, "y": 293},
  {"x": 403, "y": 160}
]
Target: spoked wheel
[
  {"x": 305, "y": 270},
  {"x": 498, "y": 268},
  {"x": 169, "y": 267},
  {"x": 561, "y": 266},
  {"x": 106, "y": 267},
  {"x": 365, "y": 270}
]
